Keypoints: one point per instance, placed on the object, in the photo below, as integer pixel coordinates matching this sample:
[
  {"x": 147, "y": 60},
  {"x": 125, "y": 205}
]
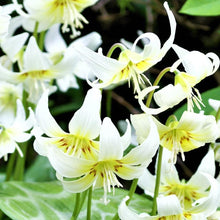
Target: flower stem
[
  {"x": 41, "y": 40},
  {"x": 132, "y": 190},
  {"x": 76, "y": 207},
  {"x": 117, "y": 45},
  {"x": 20, "y": 163},
  {"x": 10, "y": 166},
  {"x": 35, "y": 30},
  {"x": 156, "y": 82},
  {"x": 217, "y": 116},
  {"x": 157, "y": 184},
  {"x": 89, "y": 204}
]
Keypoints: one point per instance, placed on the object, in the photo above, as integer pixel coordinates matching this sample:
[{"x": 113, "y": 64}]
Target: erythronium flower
[
  {"x": 9, "y": 94},
  {"x": 199, "y": 195},
  {"x": 57, "y": 47},
  {"x": 190, "y": 132},
  {"x": 37, "y": 71},
  {"x": 84, "y": 128},
  {"x": 15, "y": 132},
  {"x": 4, "y": 23},
  {"x": 131, "y": 64},
  {"x": 50, "y": 12},
  {"x": 110, "y": 163},
  {"x": 197, "y": 66}
]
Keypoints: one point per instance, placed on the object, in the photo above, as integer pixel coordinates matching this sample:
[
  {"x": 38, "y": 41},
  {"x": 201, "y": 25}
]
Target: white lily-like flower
[
  {"x": 4, "y": 23},
  {"x": 197, "y": 66},
  {"x": 110, "y": 163},
  {"x": 9, "y": 93},
  {"x": 190, "y": 132},
  {"x": 131, "y": 64},
  {"x": 50, "y": 12},
  {"x": 56, "y": 47},
  {"x": 15, "y": 132},
  {"x": 37, "y": 71},
  {"x": 84, "y": 128},
  {"x": 194, "y": 195}
]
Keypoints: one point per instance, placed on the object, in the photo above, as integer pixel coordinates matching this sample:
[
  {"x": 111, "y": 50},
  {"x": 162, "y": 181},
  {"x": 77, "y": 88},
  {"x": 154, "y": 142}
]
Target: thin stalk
[
  {"x": 76, "y": 207},
  {"x": 82, "y": 200},
  {"x": 217, "y": 116},
  {"x": 10, "y": 166},
  {"x": 89, "y": 204},
  {"x": 117, "y": 45},
  {"x": 35, "y": 30},
  {"x": 108, "y": 102},
  {"x": 157, "y": 184},
  {"x": 20, "y": 163},
  {"x": 41, "y": 40},
  {"x": 156, "y": 82}
]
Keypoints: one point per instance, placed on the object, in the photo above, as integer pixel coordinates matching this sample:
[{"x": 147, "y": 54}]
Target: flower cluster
[{"x": 93, "y": 153}]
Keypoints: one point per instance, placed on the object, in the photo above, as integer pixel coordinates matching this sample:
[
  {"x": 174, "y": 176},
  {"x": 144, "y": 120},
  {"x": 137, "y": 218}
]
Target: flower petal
[
  {"x": 45, "y": 120},
  {"x": 86, "y": 121},
  {"x": 110, "y": 143}
]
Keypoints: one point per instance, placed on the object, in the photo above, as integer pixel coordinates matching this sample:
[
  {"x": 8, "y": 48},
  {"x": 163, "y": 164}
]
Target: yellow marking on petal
[
  {"x": 187, "y": 194},
  {"x": 77, "y": 146},
  {"x": 36, "y": 74}
]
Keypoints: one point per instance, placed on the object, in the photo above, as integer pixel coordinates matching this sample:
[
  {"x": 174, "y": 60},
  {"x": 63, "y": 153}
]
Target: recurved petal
[
  {"x": 103, "y": 67},
  {"x": 126, "y": 214},
  {"x": 45, "y": 120},
  {"x": 66, "y": 165},
  {"x": 79, "y": 185},
  {"x": 86, "y": 122},
  {"x": 169, "y": 96},
  {"x": 110, "y": 142},
  {"x": 143, "y": 153}
]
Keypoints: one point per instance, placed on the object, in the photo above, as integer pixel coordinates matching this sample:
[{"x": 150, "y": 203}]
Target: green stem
[
  {"x": 89, "y": 204},
  {"x": 156, "y": 82},
  {"x": 117, "y": 45},
  {"x": 217, "y": 116},
  {"x": 108, "y": 102},
  {"x": 35, "y": 30},
  {"x": 82, "y": 200},
  {"x": 157, "y": 184},
  {"x": 20, "y": 163},
  {"x": 41, "y": 40},
  {"x": 76, "y": 207},
  {"x": 10, "y": 166}
]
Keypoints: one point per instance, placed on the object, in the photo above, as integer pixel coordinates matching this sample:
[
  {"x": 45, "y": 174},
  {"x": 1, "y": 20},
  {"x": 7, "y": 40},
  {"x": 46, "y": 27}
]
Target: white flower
[
  {"x": 4, "y": 23},
  {"x": 197, "y": 66},
  {"x": 131, "y": 64},
  {"x": 110, "y": 163},
  {"x": 9, "y": 94},
  {"x": 37, "y": 71},
  {"x": 84, "y": 127},
  {"x": 193, "y": 195},
  {"x": 57, "y": 47},
  {"x": 190, "y": 132},
  {"x": 50, "y": 12},
  {"x": 15, "y": 132}
]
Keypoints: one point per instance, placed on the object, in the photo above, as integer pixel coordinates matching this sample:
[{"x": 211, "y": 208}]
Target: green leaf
[
  {"x": 48, "y": 200},
  {"x": 210, "y": 94},
  {"x": 40, "y": 171},
  {"x": 201, "y": 7}
]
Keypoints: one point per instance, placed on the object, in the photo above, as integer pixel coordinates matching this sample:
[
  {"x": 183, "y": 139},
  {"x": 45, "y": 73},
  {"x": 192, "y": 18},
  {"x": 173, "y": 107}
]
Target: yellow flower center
[
  {"x": 77, "y": 146},
  {"x": 187, "y": 194}
]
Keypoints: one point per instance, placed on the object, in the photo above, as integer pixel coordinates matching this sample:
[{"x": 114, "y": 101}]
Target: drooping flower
[
  {"x": 9, "y": 94},
  {"x": 12, "y": 133},
  {"x": 199, "y": 195},
  {"x": 130, "y": 64},
  {"x": 56, "y": 46},
  {"x": 197, "y": 67},
  {"x": 84, "y": 128},
  {"x": 4, "y": 23},
  {"x": 50, "y": 12},
  {"x": 37, "y": 71},
  {"x": 190, "y": 132},
  {"x": 78, "y": 174}
]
